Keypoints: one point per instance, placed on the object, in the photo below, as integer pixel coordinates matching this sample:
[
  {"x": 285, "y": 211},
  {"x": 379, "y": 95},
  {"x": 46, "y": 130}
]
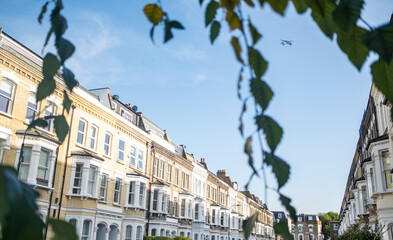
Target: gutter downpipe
[
  {"x": 149, "y": 195},
  {"x": 66, "y": 160}
]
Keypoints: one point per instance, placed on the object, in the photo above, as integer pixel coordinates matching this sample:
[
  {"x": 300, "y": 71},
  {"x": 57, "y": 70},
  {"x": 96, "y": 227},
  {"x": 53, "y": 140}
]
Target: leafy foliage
[
  {"x": 248, "y": 225},
  {"x": 325, "y": 220},
  {"x": 62, "y": 230},
  {"x": 362, "y": 233},
  {"x": 18, "y": 216},
  {"x": 281, "y": 228}
]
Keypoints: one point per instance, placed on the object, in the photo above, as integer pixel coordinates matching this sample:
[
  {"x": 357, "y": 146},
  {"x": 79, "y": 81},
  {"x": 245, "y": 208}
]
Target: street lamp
[{"x": 229, "y": 220}]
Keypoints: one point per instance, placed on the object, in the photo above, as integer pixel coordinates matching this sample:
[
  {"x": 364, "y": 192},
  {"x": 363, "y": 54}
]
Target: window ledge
[
  {"x": 102, "y": 201},
  {"x": 6, "y": 115},
  {"x": 41, "y": 186},
  {"x": 117, "y": 204},
  {"x": 121, "y": 162},
  {"x": 46, "y": 131},
  {"x": 134, "y": 207}
]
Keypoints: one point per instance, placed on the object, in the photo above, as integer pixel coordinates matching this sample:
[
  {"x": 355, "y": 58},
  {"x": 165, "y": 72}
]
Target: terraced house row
[
  {"x": 117, "y": 175},
  {"x": 368, "y": 197}
]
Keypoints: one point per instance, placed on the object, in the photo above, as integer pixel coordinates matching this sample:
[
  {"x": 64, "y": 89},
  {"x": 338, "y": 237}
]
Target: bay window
[
  {"x": 103, "y": 187},
  {"x": 78, "y": 179},
  {"x": 155, "y": 200},
  {"x": 92, "y": 181},
  {"x": 128, "y": 233},
  {"x": 386, "y": 169},
  {"x": 139, "y": 233},
  {"x": 117, "y": 192},
  {"x": 86, "y": 230},
  {"x": 142, "y": 193},
  {"x": 131, "y": 193},
  {"x": 37, "y": 161}
]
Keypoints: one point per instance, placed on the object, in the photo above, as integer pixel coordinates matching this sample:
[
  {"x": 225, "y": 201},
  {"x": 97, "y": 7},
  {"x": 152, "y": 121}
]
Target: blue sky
[{"x": 188, "y": 86}]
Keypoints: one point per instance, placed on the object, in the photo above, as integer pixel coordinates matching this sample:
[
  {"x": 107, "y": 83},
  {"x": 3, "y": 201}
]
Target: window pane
[
  {"x": 133, "y": 155},
  {"x": 93, "y": 137}
]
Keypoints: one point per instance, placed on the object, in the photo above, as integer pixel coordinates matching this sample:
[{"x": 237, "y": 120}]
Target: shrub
[{"x": 362, "y": 233}]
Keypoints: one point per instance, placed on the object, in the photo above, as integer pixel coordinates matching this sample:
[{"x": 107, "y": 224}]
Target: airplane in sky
[{"x": 288, "y": 42}]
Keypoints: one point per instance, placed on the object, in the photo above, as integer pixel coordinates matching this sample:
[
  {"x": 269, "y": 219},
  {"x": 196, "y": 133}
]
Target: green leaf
[
  {"x": 66, "y": 101},
  {"x": 210, "y": 12},
  {"x": 69, "y": 79},
  {"x": 249, "y": 3},
  {"x": 237, "y": 48},
  {"x": 18, "y": 216},
  {"x": 244, "y": 109},
  {"x": 347, "y": 14},
  {"x": 200, "y": 2},
  {"x": 45, "y": 88},
  {"x": 254, "y": 33},
  {"x": 43, "y": 11},
  {"x": 62, "y": 230},
  {"x": 239, "y": 81},
  {"x": 262, "y": 92},
  {"x": 65, "y": 49},
  {"x": 167, "y": 32},
  {"x": 383, "y": 77},
  {"x": 176, "y": 24},
  {"x": 248, "y": 151},
  {"x": 281, "y": 228},
  {"x": 59, "y": 23},
  {"x": 233, "y": 20},
  {"x": 248, "y": 225},
  {"x": 214, "y": 31},
  {"x": 257, "y": 62},
  {"x": 380, "y": 40},
  {"x": 61, "y": 127},
  {"x": 50, "y": 65},
  {"x": 286, "y": 202},
  {"x": 152, "y": 33},
  {"x": 300, "y": 5},
  {"x": 154, "y": 13},
  {"x": 39, "y": 122},
  {"x": 322, "y": 11},
  {"x": 353, "y": 46},
  {"x": 278, "y": 6},
  {"x": 273, "y": 132},
  {"x": 280, "y": 168},
  {"x": 229, "y": 4}
]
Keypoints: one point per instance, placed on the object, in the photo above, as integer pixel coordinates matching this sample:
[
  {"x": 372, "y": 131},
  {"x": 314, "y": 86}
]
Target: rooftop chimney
[{"x": 221, "y": 173}]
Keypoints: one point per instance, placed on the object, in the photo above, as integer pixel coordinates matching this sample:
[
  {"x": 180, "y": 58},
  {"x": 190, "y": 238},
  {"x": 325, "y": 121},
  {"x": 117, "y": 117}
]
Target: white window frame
[
  {"x": 117, "y": 190},
  {"x": 38, "y": 145},
  {"x": 161, "y": 169},
  {"x": 133, "y": 151},
  {"x": 121, "y": 155},
  {"x": 104, "y": 186},
  {"x": 92, "y": 180},
  {"x": 9, "y": 99},
  {"x": 107, "y": 145},
  {"x": 81, "y": 136},
  {"x": 35, "y": 110},
  {"x": 140, "y": 159},
  {"x": 93, "y": 137},
  {"x": 169, "y": 173},
  {"x": 53, "y": 109}
]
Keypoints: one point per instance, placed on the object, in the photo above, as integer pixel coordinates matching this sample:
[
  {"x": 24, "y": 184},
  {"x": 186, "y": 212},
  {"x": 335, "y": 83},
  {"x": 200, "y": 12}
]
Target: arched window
[
  {"x": 162, "y": 232},
  {"x": 7, "y": 90},
  {"x": 32, "y": 108},
  {"x": 128, "y": 232},
  {"x": 73, "y": 222},
  {"x": 154, "y": 232},
  {"x": 86, "y": 230},
  {"x": 50, "y": 110},
  {"x": 139, "y": 233}
]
